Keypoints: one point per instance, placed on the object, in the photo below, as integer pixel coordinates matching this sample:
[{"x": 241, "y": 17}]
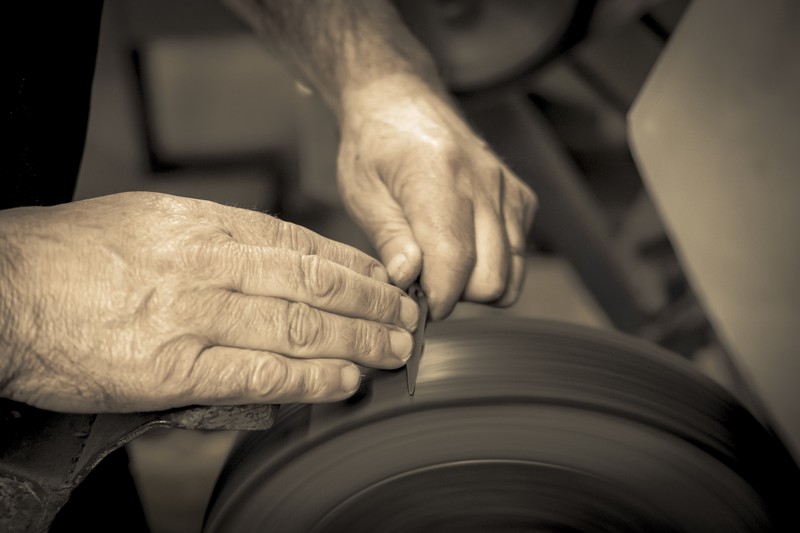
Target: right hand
[
  {"x": 435, "y": 201},
  {"x": 143, "y": 301}
]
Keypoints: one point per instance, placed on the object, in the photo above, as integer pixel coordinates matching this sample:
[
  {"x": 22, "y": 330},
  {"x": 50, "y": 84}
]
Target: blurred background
[{"x": 188, "y": 101}]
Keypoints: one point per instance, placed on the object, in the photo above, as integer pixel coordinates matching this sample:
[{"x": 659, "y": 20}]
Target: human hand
[
  {"x": 143, "y": 301},
  {"x": 431, "y": 196}
]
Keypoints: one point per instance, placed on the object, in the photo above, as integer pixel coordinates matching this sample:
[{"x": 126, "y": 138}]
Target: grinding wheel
[{"x": 516, "y": 425}]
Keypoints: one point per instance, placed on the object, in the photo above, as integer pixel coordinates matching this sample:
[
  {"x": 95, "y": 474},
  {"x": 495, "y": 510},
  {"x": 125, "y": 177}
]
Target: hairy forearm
[{"x": 341, "y": 46}]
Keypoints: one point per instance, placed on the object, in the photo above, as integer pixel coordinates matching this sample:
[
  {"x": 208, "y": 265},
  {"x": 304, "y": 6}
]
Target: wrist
[
  {"x": 393, "y": 91},
  {"x": 9, "y": 351},
  {"x": 376, "y": 53},
  {"x": 363, "y": 63}
]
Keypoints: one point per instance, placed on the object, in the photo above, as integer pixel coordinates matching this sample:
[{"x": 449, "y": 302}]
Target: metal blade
[{"x": 412, "y": 366}]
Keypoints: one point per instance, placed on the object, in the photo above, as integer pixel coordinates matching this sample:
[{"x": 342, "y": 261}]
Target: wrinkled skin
[
  {"x": 433, "y": 198},
  {"x": 143, "y": 301}
]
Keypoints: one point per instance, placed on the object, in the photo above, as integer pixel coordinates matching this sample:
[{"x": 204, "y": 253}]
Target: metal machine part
[
  {"x": 478, "y": 44},
  {"x": 46, "y": 455},
  {"x": 516, "y": 425},
  {"x": 715, "y": 132}
]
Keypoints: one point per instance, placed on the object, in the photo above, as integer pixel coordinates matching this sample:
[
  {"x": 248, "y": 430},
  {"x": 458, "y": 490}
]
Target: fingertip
[
  {"x": 350, "y": 379},
  {"x": 507, "y": 300},
  {"x": 443, "y": 289},
  {"x": 397, "y": 267},
  {"x": 404, "y": 267},
  {"x": 379, "y": 273},
  {"x": 440, "y": 314},
  {"x": 409, "y": 313},
  {"x": 439, "y": 307},
  {"x": 487, "y": 291}
]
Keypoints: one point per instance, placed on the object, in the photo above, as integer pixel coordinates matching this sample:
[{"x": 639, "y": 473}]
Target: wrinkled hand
[
  {"x": 142, "y": 301},
  {"x": 433, "y": 199}
]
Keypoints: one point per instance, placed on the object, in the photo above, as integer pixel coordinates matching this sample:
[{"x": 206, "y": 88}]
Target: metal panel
[{"x": 716, "y": 131}]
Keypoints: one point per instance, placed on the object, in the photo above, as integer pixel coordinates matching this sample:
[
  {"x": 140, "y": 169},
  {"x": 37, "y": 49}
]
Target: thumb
[
  {"x": 387, "y": 228},
  {"x": 401, "y": 255}
]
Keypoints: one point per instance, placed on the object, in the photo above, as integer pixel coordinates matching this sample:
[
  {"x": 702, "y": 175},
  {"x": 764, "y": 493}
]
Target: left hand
[
  {"x": 434, "y": 200},
  {"x": 145, "y": 301}
]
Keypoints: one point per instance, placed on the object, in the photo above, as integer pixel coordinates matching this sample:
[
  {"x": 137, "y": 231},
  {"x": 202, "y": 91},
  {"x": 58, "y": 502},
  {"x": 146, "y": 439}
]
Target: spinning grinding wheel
[{"x": 516, "y": 425}]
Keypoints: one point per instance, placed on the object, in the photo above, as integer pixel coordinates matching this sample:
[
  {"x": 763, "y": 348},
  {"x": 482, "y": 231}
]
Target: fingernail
[
  {"x": 379, "y": 273},
  {"x": 351, "y": 377},
  {"x": 402, "y": 342},
  {"x": 398, "y": 267},
  {"x": 409, "y": 313}
]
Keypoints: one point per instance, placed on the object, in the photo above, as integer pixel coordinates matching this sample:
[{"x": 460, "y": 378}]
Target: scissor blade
[{"x": 412, "y": 366}]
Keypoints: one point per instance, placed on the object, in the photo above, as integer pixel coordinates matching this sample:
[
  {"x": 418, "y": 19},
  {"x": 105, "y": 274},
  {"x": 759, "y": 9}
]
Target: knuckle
[
  {"x": 192, "y": 308},
  {"x": 271, "y": 378},
  {"x": 456, "y": 235},
  {"x": 382, "y": 304},
  {"x": 179, "y": 378},
  {"x": 491, "y": 289},
  {"x": 156, "y": 201},
  {"x": 321, "y": 283},
  {"x": 313, "y": 383},
  {"x": 304, "y": 326},
  {"x": 275, "y": 380},
  {"x": 458, "y": 252},
  {"x": 488, "y": 283},
  {"x": 182, "y": 304},
  {"x": 296, "y": 238},
  {"x": 363, "y": 341},
  {"x": 194, "y": 256}
]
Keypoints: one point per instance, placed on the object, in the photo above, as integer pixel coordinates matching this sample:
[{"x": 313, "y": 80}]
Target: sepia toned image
[{"x": 400, "y": 265}]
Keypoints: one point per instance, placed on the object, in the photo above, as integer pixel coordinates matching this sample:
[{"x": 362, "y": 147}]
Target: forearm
[{"x": 342, "y": 46}]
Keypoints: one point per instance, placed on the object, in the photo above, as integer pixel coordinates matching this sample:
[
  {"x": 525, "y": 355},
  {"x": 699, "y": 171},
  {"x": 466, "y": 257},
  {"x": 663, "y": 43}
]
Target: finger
[
  {"x": 442, "y": 222},
  {"x": 519, "y": 202},
  {"x": 298, "y": 330},
  {"x": 257, "y": 229},
  {"x": 383, "y": 220},
  {"x": 232, "y": 376},
  {"x": 516, "y": 279},
  {"x": 448, "y": 262},
  {"x": 316, "y": 281},
  {"x": 519, "y": 210},
  {"x": 489, "y": 278}
]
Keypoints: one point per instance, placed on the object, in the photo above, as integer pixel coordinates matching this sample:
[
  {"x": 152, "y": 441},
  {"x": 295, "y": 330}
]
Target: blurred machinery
[
  {"x": 516, "y": 426},
  {"x": 716, "y": 131},
  {"x": 524, "y": 425}
]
